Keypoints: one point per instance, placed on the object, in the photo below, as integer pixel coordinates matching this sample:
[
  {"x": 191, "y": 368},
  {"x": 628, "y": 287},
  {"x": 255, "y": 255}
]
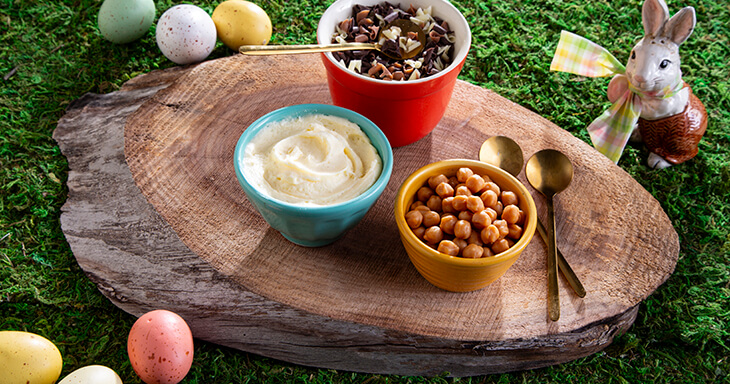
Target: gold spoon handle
[
  {"x": 563, "y": 265},
  {"x": 552, "y": 263},
  {"x": 306, "y": 48}
]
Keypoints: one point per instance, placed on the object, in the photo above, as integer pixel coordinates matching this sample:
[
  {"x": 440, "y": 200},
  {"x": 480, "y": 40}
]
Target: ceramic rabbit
[{"x": 671, "y": 123}]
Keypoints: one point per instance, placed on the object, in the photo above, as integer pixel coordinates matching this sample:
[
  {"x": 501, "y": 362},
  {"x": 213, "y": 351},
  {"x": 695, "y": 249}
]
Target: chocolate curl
[
  {"x": 428, "y": 55},
  {"x": 390, "y": 17},
  {"x": 346, "y": 25},
  {"x": 375, "y": 69},
  {"x": 362, "y": 15},
  {"x": 340, "y": 56},
  {"x": 392, "y": 47},
  {"x": 435, "y": 36},
  {"x": 439, "y": 29},
  {"x": 373, "y": 33}
]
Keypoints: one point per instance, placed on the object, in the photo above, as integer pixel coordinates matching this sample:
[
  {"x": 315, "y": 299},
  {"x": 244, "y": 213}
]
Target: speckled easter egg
[
  {"x": 124, "y": 21},
  {"x": 241, "y": 22},
  {"x": 186, "y": 34},
  {"x": 92, "y": 374},
  {"x": 160, "y": 347},
  {"x": 28, "y": 358}
]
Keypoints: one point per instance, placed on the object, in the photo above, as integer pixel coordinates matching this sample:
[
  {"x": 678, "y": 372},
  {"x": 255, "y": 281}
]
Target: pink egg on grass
[
  {"x": 186, "y": 34},
  {"x": 160, "y": 347}
]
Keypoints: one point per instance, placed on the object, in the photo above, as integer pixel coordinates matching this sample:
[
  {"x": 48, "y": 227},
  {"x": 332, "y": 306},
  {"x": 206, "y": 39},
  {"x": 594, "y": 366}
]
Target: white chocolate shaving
[
  {"x": 415, "y": 75},
  {"x": 417, "y": 21},
  {"x": 392, "y": 33},
  {"x": 428, "y": 28},
  {"x": 412, "y": 44},
  {"x": 423, "y": 16},
  {"x": 438, "y": 64},
  {"x": 355, "y": 66},
  {"x": 414, "y": 63}
]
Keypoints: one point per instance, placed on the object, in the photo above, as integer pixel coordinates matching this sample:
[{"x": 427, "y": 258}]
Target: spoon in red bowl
[{"x": 396, "y": 53}]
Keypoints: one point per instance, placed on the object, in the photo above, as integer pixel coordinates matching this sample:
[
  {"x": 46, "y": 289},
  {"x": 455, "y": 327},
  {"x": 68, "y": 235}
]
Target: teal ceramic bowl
[{"x": 314, "y": 226}]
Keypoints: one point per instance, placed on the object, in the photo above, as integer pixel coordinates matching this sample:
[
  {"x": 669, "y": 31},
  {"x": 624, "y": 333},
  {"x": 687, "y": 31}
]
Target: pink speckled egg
[
  {"x": 186, "y": 34},
  {"x": 160, "y": 347}
]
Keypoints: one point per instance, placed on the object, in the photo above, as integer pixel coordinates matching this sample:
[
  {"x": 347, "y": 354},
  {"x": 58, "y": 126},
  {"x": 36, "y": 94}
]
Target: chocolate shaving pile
[{"x": 363, "y": 27}]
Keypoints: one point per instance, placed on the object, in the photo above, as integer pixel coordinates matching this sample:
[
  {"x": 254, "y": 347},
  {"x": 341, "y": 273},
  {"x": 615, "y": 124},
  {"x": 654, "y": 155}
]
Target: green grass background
[{"x": 52, "y": 53}]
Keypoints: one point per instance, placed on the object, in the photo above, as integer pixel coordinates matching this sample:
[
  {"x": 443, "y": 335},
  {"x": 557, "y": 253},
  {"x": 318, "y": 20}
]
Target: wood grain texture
[{"x": 188, "y": 240}]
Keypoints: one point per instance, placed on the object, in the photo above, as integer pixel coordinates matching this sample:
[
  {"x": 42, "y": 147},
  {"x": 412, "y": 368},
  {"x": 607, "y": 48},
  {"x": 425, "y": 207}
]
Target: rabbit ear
[
  {"x": 654, "y": 13},
  {"x": 681, "y": 25}
]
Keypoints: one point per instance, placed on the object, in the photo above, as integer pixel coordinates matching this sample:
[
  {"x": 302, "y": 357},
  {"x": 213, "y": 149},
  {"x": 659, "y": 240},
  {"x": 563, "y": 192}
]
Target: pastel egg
[
  {"x": 186, "y": 34},
  {"x": 28, "y": 358},
  {"x": 160, "y": 347},
  {"x": 123, "y": 21},
  {"x": 92, "y": 374},
  {"x": 241, "y": 22}
]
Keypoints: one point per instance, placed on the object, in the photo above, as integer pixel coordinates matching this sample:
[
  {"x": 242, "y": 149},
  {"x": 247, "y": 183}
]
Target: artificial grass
[{"x": 52, "y": 53}]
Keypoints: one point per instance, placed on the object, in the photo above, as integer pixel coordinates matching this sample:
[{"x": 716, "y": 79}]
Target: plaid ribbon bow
[{"x": 611, "y": 131}]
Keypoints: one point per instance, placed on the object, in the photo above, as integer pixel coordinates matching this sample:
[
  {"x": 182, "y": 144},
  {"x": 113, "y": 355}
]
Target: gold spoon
[
  {"x": 405, "y": 26},
  {"x": 505, "y": 153},
  {"x": 550, "y": 172}
]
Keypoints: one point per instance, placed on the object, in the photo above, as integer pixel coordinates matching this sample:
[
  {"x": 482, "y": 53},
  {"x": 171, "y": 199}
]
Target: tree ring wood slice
[{"x": 191, "y": 242}]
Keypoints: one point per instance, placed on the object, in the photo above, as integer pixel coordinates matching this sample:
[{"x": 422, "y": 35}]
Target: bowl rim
[
  {"x": 374, "y": 133},
  {"x": 455, "y": 63},
  {"x": 430, "y": 253}
]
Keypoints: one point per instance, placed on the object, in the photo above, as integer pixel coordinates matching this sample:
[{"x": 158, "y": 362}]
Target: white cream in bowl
[{"x": 312, "y": 160}]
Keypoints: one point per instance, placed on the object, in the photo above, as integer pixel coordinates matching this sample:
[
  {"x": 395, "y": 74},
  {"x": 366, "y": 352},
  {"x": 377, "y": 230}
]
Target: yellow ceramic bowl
[{"x": 452, "y": 273}]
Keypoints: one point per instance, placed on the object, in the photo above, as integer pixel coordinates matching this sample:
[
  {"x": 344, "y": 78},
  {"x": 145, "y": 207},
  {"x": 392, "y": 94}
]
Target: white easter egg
[
  {"x": 186, "y": 34},
  {"x": 92, "y": 374}
]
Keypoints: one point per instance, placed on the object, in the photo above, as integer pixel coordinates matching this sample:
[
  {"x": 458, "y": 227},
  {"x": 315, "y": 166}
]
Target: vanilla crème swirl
[{"x": 312, "y": 160}]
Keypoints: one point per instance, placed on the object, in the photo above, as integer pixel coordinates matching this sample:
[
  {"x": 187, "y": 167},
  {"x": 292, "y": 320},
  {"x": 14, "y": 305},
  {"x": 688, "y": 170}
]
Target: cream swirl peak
[{"x": 312, "y": 160}]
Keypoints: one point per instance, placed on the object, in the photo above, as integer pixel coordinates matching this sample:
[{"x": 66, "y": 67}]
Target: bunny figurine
[{"x": 672, "y": 119}]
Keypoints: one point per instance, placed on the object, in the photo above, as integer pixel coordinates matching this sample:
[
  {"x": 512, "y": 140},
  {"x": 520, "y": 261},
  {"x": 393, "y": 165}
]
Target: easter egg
[
  {"x": 241, "y": 22},
  {"x": 186, "y": 34},
  {"x": 124, "y": 21},
  {"x": 160, "y": 347},
  {"x": 28, "y": 358},
  {"x": 92, "y": 374}
]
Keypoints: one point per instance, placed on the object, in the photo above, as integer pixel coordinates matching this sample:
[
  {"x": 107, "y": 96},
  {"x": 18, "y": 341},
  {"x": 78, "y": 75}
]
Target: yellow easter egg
[
  {"x": 27, "y": 358},
  {"x": 241, "y": 22}
]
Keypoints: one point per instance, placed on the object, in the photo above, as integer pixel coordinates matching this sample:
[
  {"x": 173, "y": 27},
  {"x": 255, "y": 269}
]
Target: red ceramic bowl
[{"x": 405, "y": 111}]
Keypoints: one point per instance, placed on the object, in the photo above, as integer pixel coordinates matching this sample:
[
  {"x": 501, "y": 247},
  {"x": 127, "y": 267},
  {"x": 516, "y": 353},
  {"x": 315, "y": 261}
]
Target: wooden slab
[{"x": 192, "y": 243}]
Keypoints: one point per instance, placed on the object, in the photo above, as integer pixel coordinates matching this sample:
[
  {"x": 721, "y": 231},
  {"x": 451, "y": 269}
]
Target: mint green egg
[{"x": 124, "y": 21}]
